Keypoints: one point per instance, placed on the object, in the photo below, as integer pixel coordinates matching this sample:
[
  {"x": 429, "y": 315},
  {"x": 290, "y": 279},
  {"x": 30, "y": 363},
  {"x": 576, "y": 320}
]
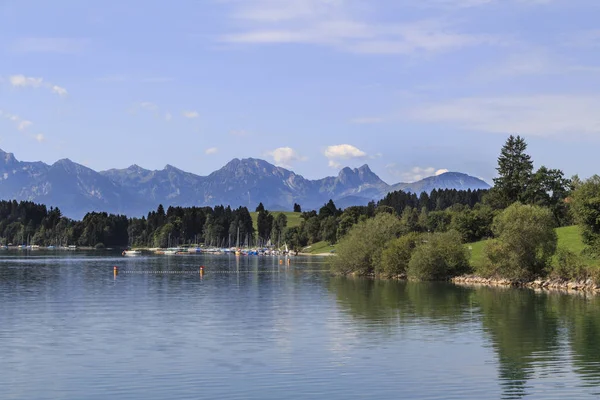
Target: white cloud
[
  {"x": 20, "y": 124},
  {"x": 59, "y": 90},
  {"x": 212, "y": 150},
  {"x": 168, "y": 116},
  {"x": 340, "y": 152},
  {"x": 285, "y": 156},
  {"x": 342, "y": 25},
  {"x": 191, "y": 114},
  {"x": 540, "y": 115},
  {"x": 147, "y": 105},
  {"x": 49, "y": 45},
  {"x": 22, "y": 81},
  {"x": 413, "y": 174},
  {"x": 23, "y": 124},
  {"x": 530, "y": 62}
]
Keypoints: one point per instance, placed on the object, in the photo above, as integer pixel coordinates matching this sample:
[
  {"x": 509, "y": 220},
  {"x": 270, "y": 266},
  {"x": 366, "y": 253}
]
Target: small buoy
[
  {"x": 280, "y": 262},
  {"x": 116, "y": 270},
  {"x": 201, "y": 270}
]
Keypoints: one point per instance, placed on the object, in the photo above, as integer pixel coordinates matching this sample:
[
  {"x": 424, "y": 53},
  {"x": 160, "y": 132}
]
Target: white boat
[
  {"x": 171, "y": 251},
  {"x": 132, "y": 253}
]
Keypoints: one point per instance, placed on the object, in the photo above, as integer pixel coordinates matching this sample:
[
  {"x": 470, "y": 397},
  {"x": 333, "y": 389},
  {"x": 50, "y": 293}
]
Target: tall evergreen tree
[{"x": 515, "y": 169}]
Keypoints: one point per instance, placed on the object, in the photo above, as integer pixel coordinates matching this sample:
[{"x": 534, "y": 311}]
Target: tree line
[
  {"x": 29, "y": 223},
  {"x": 417, "y": 239}
]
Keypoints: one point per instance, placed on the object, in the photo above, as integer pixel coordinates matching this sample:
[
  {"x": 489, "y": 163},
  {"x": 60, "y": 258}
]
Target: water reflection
[
  {"x": 535, "y": 336},
  {"x": 252, "y": 328}
]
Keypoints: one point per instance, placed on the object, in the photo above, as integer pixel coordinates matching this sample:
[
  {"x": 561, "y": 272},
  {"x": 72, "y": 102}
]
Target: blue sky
[{"x": 410, "y": 87}]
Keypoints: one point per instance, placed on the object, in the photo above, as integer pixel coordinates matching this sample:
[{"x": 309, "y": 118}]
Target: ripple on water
[{"x": 69, "y": 329}]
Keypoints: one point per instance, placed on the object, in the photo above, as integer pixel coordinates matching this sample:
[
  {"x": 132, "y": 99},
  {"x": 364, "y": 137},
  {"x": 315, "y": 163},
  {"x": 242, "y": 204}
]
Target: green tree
[
  {"x": 260, "y": 208},
  {"x": 396, "y": 255},
  {"x": 514, "y": 171},
  {"x": 360, "y": 250},
  {"x": 524, "y": 245},
  {"x": 549, "y": 188},
  {"x": 439, "y": 257},
  {"x": 264, "y": 224},
  {"x": 278, "y": 229},
  {"x": 329, "y": 229},
  {"x": 586, "y": 208},
  {"x": 297, "y": 208}
]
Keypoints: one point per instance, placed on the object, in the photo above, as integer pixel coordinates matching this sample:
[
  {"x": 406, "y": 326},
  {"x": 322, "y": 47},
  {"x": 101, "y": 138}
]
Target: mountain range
[{"x": 134, "y": 191}]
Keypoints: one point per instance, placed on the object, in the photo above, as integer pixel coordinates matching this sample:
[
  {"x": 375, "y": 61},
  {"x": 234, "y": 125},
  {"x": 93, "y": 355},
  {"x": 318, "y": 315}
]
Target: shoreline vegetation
[{"x": 521, "y": 233}]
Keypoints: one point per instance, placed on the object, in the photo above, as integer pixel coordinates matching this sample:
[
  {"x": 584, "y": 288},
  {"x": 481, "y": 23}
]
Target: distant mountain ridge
[{"x": 134, "y": 191}]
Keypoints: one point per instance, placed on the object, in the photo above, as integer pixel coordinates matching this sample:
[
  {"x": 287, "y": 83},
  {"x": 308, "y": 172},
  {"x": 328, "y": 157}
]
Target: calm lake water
[{"x": 252, "y": 329}]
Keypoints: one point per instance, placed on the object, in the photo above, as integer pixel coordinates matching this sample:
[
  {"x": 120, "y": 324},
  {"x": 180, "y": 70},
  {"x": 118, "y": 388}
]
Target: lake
[{"x": 250, "y": 328}]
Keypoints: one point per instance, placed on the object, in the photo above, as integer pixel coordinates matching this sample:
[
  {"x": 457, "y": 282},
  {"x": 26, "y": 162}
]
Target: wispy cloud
[
  {"x": 22, "y": 81},
  {"x": 336, "y": 154},
  {"x": 541, "y": 115},
  {"x": 50, "y": 45},
  {"x": 367, "y": 120},
  {"x": 533, "y": 62},
  {"x": 190, "y": 114},
  {"x": 413, "y": 174},
  {"x": 21, "y": 124},
  {"x": 476, "y": 3},
  {"x": 336, "y": 24},
  {"x": 210, "y": 151},
  {"x": 127, "y": 78},
  {"x": 148, "y": 105},
  {"x": 285, "y": 156}
]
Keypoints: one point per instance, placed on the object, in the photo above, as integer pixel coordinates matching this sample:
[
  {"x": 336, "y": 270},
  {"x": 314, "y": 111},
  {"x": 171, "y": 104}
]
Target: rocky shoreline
[{"x": 588, "y": 285}]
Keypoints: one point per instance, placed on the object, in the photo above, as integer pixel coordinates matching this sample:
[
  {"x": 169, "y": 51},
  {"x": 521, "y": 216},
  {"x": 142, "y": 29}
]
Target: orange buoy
[{"x": 116, "y": 270}]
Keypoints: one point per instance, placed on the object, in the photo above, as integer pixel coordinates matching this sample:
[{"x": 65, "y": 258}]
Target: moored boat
[{"x": 132, "y": 253}]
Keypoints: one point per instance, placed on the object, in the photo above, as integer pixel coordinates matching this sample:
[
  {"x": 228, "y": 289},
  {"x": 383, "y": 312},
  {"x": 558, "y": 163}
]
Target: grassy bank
[
  {"x": 293, "y": 218},
  {"x": 569, "y": 237},
  {"x": 319, "y": 248}
]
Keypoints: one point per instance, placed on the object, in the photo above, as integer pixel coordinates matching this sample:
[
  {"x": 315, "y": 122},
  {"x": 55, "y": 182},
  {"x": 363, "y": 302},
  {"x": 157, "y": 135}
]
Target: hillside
[{"x": 569, "y": 237}]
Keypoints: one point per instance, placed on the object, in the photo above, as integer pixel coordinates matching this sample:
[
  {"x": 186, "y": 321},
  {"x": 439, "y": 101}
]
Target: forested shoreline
[
  {"x": 25, "y": 222},
  {"x": 407, "y": 235},
  {"x": 518, "y": 216}
]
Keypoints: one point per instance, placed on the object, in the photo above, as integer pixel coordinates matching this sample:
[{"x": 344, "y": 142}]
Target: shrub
[
  {"x": 396, "y": 255},
  {"x": 439, "y": 257},
  {"x": 525, "y": 243},
  {"x": 586, "y": 208},
  {"x": 360, "y": 250},
  {"x": 569, "y": 266}
]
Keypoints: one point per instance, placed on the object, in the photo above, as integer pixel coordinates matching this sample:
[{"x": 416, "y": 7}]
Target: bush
[
  {"x": 525, "y": 243},
  {"x": 586, "y": 208},
  {"x": 439, "y": 257},
  {"x": 361, "y": 249},
  {"x": 569, "y": 266},
  {"x": 396, "y": 255}
]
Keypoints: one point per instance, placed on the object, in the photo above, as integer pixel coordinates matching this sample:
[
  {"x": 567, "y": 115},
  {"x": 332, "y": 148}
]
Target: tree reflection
[{"x": 528, "y": 330}]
